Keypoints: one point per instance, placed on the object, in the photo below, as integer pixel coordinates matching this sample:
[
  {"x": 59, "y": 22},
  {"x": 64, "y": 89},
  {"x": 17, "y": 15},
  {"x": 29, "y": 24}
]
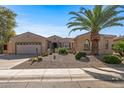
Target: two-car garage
[
  {"x": 27, "y": 43},
  {"x": 28, "y": 48}
]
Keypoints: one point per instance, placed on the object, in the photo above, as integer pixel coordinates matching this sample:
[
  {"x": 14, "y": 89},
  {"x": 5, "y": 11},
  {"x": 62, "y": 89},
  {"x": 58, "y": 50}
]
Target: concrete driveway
[{"x": 9, "y": 61}]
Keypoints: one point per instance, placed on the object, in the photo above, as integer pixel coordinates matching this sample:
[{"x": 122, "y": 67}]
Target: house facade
[
  {"x": 83, "y": 43},
  {"x": 29, "y": 43}
]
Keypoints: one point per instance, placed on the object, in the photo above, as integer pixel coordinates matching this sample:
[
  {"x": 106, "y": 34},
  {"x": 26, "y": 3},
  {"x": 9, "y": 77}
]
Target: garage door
[{"x": 28, "y": 48}]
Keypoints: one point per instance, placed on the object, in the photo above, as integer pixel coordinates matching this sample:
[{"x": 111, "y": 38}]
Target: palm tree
[
  {"x": 7, "y": 24},
  {"x": 96, "y": 19}
]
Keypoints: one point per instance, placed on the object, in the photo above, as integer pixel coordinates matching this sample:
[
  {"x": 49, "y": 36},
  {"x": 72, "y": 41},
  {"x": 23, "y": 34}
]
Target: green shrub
[
  {"x": 63, "y": 51},
  {"x": 119, "y": 47},
  {"x": 111, "y": 59},
  {"x": 79, "y": 55}
]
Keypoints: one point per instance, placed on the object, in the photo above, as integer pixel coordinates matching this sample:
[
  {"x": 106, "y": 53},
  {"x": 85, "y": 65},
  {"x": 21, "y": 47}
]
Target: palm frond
[
  {"x": 96, "y": 19},
  {"x": 75, "y": 14},
  {"x": 78, "y": 28},
  {"x": 112, "y": 25},
  {"x": 71, "y": 24},
  {"x": 114, "y": 20}
]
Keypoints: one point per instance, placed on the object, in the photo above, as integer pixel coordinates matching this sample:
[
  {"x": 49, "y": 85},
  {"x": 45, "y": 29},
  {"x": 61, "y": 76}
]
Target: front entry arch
[{"x": 54, "y": 45}]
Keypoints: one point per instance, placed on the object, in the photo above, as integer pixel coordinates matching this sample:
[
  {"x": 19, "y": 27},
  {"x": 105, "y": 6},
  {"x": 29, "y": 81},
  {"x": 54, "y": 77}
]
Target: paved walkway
[{"x": 76, "y": 77}]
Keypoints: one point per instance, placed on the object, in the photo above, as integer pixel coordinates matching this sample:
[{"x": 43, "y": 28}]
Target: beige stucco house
[
  {"x": 83, "y": 43},
  {"x": 29, "y": 43}
]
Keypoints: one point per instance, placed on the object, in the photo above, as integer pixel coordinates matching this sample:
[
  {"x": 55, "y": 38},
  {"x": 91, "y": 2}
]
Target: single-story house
[{"x": 30, "y": 43}]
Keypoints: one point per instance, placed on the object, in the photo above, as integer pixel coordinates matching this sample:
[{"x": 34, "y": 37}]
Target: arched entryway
[{"x": 54, "y": 45}]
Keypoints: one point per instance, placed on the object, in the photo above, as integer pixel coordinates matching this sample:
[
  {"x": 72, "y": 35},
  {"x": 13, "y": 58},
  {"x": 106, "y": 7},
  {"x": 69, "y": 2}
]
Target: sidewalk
[
  {"x": 62, "y": 78},
  {"x": 72, "y": 74}
]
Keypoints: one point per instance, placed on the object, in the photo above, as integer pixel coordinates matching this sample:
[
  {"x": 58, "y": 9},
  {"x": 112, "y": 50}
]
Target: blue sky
[{"x": 47, "y": 20}]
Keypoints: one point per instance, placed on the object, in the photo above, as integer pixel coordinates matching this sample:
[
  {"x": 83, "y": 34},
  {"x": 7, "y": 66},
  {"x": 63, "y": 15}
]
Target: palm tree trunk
[
  {"x": 95, "y": 47},
  {"x": 95, "y": 43}
]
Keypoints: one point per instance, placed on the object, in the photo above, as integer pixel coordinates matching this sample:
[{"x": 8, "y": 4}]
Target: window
[
  {"x": 23, "y": 43},
  {"x": 87, "y": 45},
  {"x": 5, "y": 47},
  {"x": 39, "y": 43},
  {"x": 26, "y": 43},
  {"x": 29, "y": 43},
  {"x": 20, "y": 43},
  {"x": 72, "y": 44},
  {"x": 106, "y": 44},
  {"x": 17, "y": 43},
  {"x": 60, "y": 44},
  {"x": 69, "y": 45}
]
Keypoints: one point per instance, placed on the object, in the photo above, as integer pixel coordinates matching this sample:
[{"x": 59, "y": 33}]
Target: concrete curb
[{"x": 29, "y": 77}]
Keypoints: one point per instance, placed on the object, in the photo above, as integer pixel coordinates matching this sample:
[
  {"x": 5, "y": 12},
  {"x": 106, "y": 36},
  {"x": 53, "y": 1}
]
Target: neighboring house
[
  {"x": 83, "y": 43},
  {"x": 116, "y": 39},
  {"x": 29, "y": 43}
]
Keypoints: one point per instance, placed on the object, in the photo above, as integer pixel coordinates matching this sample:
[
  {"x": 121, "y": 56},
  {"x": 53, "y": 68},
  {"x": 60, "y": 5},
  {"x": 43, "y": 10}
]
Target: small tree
[
  {"x": 7, "y": 25},
  {"x": 119, "y": 47}
]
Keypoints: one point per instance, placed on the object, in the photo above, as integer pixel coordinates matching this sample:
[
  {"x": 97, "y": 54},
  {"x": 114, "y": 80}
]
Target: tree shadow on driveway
[{"x": 104, "y": 77}]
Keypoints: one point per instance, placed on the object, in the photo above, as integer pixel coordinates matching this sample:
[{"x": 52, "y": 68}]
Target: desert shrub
[
  {"x": 50, "y": 53},
  {"x": 111, "y": 59},
  {"x": 63, "y": 51},
  {"x": 79, "y": 55},
  {"x": 34, "y": 59},
  {"x": 40, "y": 58},
  {"x": 45, "y": 54},
  {"x": 119, "y": 47}
]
